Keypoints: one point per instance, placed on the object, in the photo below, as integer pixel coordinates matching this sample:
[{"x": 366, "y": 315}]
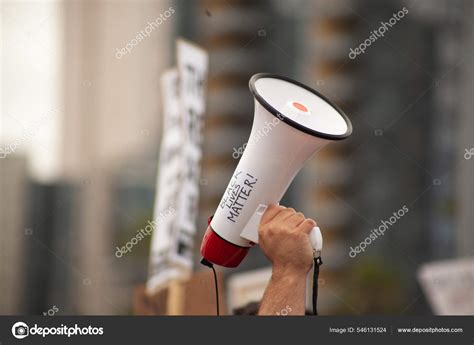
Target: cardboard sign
[
  {"x": 449, "y": 286},
  {"x": 247, "y": 287}
]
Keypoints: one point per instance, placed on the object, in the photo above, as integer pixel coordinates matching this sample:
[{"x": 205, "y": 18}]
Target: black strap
[
  {"x": 211, "y": 265},
  {"x": 317, "y": 262},
  {"x": 217, "y": 289}
]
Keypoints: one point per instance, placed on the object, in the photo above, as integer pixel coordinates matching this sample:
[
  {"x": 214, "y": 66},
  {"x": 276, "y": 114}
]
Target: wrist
[{"x": 288, "y": 273}]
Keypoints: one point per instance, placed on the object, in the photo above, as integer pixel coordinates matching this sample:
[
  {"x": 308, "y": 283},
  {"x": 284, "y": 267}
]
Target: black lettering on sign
[
  {"x": 192, "y": 172},
  {"x": 194, "y": 125},
  {"x": 237, "y": 194},
  {"x": 195, "y": 81}
]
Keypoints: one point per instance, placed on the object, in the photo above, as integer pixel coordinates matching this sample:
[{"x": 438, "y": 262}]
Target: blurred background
[{"x": 80, "y": 134}]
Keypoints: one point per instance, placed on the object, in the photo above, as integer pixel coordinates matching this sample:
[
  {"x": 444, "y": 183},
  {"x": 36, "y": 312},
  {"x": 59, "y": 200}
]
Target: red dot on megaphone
[{"x": 300, "y": 106}]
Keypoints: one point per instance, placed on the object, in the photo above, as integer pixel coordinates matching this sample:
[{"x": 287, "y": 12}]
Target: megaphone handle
[{"x": 316, "y": 239}]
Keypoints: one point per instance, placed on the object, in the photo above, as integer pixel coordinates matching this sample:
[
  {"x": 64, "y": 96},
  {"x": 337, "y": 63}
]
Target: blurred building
[
  {"x": 108, "y": 111},
  {"x": 112, "y": 126},
  {"x": 86, "y": 182},
  {"x": 453, "y": 48},
  {"x": 14, "y": 188}
]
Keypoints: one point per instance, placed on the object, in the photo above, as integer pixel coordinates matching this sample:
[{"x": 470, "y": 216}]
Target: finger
[
  {"x": 286, "y": 213},
  {"x": 295, "y": 220},
  {"x": 271, "y": 212},
  {"x": 307, "y": 225}
]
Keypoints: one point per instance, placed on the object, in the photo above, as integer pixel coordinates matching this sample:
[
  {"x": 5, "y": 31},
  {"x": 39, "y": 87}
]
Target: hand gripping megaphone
[{"x": 291, "y": 123}]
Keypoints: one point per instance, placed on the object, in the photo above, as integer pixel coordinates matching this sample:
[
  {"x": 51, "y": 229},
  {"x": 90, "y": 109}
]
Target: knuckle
[
  {"x": 272, "y": 229},
  {"x": 300, "y": 215},
  {"x": 308, "y": 224}
]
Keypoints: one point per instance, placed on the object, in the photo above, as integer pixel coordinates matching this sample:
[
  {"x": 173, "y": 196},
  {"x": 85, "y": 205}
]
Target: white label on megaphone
[{"x": 250, "y": 231}]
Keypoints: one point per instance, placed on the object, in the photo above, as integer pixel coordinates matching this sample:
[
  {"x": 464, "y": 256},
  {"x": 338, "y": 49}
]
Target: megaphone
[{"x": 292, "y": 122}]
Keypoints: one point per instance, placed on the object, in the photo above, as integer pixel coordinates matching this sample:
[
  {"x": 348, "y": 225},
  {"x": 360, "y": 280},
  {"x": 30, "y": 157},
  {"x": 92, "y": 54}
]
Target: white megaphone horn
[{"x": 292, "y": 122}]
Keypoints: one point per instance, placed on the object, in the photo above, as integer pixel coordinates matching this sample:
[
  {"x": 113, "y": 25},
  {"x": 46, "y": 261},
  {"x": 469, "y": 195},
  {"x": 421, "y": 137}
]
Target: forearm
[{"x": 285, "y": 291}]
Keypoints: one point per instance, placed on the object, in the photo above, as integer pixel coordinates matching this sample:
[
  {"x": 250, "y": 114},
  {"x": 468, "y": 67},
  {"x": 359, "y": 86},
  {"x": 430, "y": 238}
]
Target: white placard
[
  {"x": 179, "y": 169},
  {"x": 168, "y": 183},
  {"x": 192, "y": 68},
  {"x": 449, "y": 286}
]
